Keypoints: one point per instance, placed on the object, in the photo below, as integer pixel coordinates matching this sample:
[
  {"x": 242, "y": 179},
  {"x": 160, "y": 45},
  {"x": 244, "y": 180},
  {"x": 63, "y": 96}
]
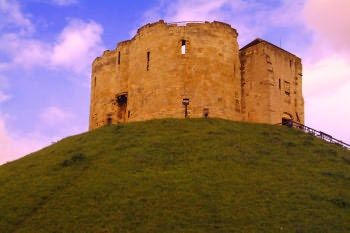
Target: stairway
[{"x": 314, "y": 132}]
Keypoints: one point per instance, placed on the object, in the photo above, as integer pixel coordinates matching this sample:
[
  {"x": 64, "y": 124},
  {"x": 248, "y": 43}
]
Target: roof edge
[{"x": 259, "y": 40}]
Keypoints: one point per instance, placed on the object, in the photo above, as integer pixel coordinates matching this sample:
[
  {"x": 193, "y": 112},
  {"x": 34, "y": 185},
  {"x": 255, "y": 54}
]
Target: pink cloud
[
  {"x": 326, "y": 76},
  {"x": 14, "y": 146},
  {"x": 54, "y": 115},
  {"x": 330, "y": 113},
  {"x": 327, "y": 67},
  {"x": 4, "y": 97},
  {"x": 330, "y": 22}
]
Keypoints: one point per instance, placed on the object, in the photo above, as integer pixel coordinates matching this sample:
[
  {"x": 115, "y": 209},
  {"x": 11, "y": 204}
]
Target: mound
[{"x": 179, "y": 176}]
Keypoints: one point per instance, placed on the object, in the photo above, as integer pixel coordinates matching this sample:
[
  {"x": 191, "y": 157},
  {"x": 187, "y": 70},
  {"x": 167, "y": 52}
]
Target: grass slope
[{"x": 179, "y": 176}]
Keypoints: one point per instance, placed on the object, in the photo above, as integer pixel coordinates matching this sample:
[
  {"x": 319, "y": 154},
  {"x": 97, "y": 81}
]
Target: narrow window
[
  {"x": 95, "y": 81},
  {"x": 279, "y": 84},
  {"x": 119, "y": 58},
  {"x": 286, "y": 88},
  {"x": 183, "y": 47},
  {"x": 148, "y": 59},
  {"x": 129, "y": 114}
]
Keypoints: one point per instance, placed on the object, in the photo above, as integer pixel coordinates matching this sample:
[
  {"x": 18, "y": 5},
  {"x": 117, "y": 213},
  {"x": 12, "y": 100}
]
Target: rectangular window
[
  {"x": 148, "y": 59},
  {"x": 279, "y": 84},
  {"x": 183, "y": 47},
  {"x": 118, "y": 58},
  {"x": 286, "y": 88}
]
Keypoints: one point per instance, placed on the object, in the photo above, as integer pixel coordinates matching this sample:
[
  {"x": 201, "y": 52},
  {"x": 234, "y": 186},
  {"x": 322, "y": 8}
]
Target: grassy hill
[{"x": 179, "y": 176}]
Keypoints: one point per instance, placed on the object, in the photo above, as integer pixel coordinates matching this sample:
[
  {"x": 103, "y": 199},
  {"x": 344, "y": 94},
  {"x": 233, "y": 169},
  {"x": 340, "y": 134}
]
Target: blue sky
[{"x": 47, "y": 46}]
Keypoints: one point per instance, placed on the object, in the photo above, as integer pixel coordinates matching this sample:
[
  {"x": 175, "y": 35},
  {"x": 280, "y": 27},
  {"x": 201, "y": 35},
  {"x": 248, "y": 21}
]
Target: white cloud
[
  {"x": 77, "y": 45},
  {"x": 12, "y": 16},
  {"x": 55, "y": 115},
  {"x": 73, "y": 50},
  {"x": 25, "y": 52}
]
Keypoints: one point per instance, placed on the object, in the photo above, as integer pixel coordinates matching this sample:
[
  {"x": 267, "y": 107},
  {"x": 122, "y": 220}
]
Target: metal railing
[
  {"x": 185, "y": 22},
  {"x": 314, "y": 132}
]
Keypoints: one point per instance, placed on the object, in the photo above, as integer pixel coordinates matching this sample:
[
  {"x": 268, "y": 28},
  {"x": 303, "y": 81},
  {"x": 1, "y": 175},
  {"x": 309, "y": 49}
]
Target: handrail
[{"x": 314, "y": 132}]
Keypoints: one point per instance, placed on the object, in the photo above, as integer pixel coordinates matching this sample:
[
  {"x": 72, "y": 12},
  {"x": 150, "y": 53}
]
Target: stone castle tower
[{"x": 195, "y": 70}]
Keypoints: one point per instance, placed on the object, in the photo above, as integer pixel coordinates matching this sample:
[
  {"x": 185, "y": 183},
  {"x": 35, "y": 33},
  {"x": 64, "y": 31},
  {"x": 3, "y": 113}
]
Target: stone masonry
[{"x": 164, "y": 66}]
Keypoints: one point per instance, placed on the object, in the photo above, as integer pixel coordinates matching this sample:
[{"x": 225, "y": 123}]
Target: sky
[{"x": 47, "y": 47}]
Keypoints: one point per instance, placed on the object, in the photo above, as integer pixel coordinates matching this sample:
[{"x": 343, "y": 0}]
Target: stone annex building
[{"x": 195, "y": 69}]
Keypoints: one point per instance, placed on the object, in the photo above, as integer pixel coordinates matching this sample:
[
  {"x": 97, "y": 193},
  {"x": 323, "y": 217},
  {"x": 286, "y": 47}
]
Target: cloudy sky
[{"x": 47, "y": 46}]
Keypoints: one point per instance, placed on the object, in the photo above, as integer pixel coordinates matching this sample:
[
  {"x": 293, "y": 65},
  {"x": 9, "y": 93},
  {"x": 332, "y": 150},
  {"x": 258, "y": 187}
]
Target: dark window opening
[
  {"x": 122, "y": 102},
  {"x": 122, "y": 99},
  {"x": 129, "y": 114},
  {"x": 109, "y": 120},
  {"x": 118, "y": 58},
  {"x": 279, "y": 84},
  {"x": 95, "y": 81},
  {"x": 290, "y": 63},
  {"x": 183, "y": 47},
  {"x": 148, "y": 59},
  {"x": 206, "y": 112}
]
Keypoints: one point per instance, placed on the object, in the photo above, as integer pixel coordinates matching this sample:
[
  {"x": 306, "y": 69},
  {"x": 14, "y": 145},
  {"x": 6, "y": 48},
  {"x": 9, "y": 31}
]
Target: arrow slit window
[{"x": 148, "y": 59}]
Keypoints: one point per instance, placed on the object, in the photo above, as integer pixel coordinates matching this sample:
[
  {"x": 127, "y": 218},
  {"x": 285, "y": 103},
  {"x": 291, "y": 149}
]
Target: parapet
[{"x": 162, "y": 23}]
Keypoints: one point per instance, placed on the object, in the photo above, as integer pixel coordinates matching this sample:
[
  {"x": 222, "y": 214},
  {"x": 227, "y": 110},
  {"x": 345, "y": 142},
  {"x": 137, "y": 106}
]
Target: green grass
[{"x": 179, "y": 176}]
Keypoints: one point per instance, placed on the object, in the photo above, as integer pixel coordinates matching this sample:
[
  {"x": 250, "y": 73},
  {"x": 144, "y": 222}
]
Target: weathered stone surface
[
  {"x": 148, "y": 77},
  {"x": 271, "y": 84}
]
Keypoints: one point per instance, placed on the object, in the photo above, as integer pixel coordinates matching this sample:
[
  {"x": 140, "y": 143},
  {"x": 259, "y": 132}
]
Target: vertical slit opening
[
  {"x": 183, "y": 47},
  {"x": 119, "y": 58},
  {"x": 148, "y": 59},
  {"x": 279, "y": 84}
]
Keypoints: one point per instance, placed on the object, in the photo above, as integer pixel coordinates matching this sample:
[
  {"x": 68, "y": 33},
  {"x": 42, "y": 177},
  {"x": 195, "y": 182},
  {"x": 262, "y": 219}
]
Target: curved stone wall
[{"x": 154, "y": 76}]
